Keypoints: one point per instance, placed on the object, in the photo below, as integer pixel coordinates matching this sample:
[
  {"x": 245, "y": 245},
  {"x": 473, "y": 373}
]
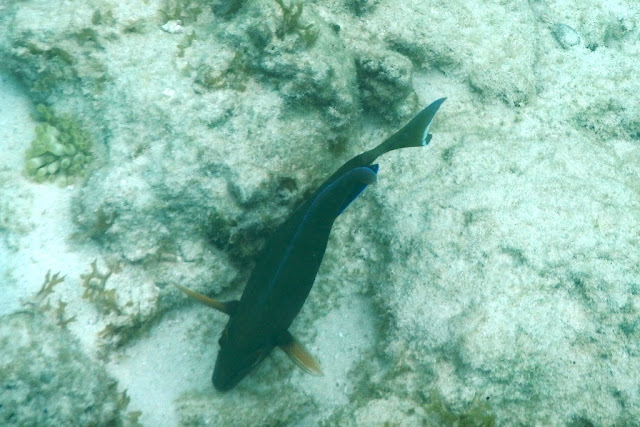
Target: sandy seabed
[{"x": 492, "y": 276}]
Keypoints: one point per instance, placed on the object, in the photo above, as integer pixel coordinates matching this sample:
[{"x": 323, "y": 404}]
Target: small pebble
[
  {"x": 173, "y": 27},
  {"x": 565, "y": 35}
]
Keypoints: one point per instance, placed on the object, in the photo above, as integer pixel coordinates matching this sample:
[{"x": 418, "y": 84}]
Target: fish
[{"x": 287, "y": 266}]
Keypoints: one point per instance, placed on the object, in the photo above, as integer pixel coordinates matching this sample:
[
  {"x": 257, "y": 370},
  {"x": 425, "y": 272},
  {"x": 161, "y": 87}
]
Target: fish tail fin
[{"x": 413, "y": 134}]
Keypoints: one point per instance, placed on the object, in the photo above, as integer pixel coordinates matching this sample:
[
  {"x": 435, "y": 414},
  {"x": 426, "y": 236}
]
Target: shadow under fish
[{"x": 288, "y": 264}]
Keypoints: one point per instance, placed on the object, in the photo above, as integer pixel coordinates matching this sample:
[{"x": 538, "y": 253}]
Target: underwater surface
[{"x": 490, "y": 278}]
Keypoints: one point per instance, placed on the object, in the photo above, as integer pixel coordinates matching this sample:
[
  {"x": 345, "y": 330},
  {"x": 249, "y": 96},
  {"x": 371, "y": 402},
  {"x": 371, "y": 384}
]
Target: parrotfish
[{"x": 287, "y": 266}]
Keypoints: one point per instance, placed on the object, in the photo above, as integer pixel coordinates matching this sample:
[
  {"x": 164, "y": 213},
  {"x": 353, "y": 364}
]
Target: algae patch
[
  {"x": 291, "y": 23},
  {"x": 43, "y": 302},
  {"x": 46, "y": 379},
  {"x": 61, "y": 150},
  {"x": 94, "y": 284}
]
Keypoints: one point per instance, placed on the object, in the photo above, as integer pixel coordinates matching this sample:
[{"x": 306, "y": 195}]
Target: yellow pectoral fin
[
  {"x": 225, "y": 307},
  {"x": 300, "y": 355}
]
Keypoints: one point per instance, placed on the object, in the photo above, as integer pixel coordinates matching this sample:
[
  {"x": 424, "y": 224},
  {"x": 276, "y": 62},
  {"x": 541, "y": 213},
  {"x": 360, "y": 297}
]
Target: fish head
[{"x": 236, "y": 359}]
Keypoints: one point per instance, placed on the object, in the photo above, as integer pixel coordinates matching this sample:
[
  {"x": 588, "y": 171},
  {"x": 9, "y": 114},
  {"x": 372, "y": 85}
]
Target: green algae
[
  {"x": 234, "y": 75},
  {"x": 42, "y": 301},
  {"x": 46, "y": 378},
  {"x": 478, "y": 413},
  {"x": 94, "y": 284},
  {"x": 185, "y": 11},
  {"x": 101, "y": 224},
  {"x": 291, "y": 23}
]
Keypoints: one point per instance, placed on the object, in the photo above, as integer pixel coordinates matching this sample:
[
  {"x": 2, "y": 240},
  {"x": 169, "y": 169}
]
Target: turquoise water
[{"x": 491, "y": 276}]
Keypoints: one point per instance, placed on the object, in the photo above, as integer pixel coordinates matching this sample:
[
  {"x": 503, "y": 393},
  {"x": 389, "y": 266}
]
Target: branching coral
[
  {"x": 125, "y": 312},
  {"x": 49, "y": 283},
  {"x": 94, "y": 284},
  {"x": 42, "y": 300},
  {"x": 60, "y": 151}
]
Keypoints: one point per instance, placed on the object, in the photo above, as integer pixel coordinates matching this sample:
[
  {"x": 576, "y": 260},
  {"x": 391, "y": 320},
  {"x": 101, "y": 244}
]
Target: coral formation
[
  {"x": 385, "y": 80},
  {"x": 185, "y": 11},
  {"x": 392, "y": 410},
  {"x": 196, "y": 409},
  {"x": 42, "y": 300},
  {"x": 361, "y": 7},
  {"x": 479, "y": 282},
  {"x": 60, "y": 151},
  {"x": 226, "y": 8},
  {"x": 46, "y": 379},
  {"x": 94, "y": 284},
  {"x": 49, "y": 283},
  {"x": 103, "y": 222},
  {"x": 123, "y": 317}
]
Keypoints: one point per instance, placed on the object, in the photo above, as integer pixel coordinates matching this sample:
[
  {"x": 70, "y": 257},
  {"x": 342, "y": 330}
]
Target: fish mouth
[
  {"x": 228, "y": 372},
  {"x": 224, "y": 382}
]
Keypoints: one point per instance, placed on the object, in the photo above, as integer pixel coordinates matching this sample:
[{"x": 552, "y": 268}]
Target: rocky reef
[{"x": 489, "y": 278}]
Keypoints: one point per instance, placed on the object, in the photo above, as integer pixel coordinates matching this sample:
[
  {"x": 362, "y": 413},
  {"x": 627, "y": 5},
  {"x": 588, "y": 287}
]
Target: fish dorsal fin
[
  {"x": 228, "y": 307},
  {"x": 300, "y": 355}
]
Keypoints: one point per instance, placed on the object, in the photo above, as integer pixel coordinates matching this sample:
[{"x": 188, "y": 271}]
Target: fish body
[
  {"x": 287, "y": 266},
  {"x": 282, "y": 279}
]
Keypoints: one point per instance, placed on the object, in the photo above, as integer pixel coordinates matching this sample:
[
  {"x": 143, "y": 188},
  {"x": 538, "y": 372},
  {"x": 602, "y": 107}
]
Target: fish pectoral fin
[
  {"x": 300, "y": 355},
  {"x": 225, "y": 307}
]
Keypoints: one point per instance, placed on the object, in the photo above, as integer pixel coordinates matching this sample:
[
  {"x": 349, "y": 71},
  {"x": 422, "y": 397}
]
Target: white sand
[{"x": 499, "y": 264}]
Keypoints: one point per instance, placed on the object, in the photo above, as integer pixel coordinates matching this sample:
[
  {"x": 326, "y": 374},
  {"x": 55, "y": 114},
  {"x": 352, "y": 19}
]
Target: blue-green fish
[{"x": 287, "y": 266}]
